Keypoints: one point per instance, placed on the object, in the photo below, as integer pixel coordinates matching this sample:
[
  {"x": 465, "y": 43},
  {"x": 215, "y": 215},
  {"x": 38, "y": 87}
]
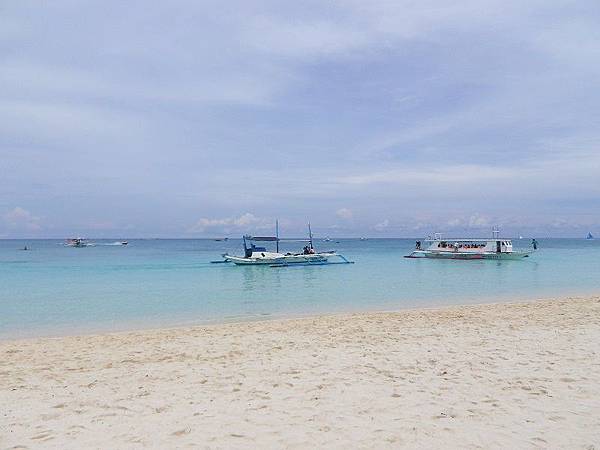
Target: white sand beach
[{"x": 486, "y": 376}]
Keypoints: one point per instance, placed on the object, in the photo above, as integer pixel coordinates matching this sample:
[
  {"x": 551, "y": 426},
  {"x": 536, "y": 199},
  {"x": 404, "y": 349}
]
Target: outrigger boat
[
  {"x": 257, "y": 255},
  {"x": 486, "y": 248}
]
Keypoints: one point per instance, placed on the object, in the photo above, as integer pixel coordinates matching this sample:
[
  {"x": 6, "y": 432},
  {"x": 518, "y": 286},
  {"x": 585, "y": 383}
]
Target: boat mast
[
  {"x": 310, "y": 239},
  {"x": 495, "y": 233},
  {"x": 277, "y": 234}
]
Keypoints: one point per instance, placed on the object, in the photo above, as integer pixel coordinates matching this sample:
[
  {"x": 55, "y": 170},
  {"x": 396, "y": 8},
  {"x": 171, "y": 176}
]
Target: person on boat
[
  {"x": 534, "y": 244},
  {"x": 308, "y": 250},
  {"x": 418, "y": 245}
]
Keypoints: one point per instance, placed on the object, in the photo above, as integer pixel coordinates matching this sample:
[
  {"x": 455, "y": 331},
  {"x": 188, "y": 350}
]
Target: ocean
[{"x": 55, "y": 290}]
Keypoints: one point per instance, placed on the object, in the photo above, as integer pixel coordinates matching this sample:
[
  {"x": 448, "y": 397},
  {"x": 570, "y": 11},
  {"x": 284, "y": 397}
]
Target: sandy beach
[{"x": 486, "y": 376}]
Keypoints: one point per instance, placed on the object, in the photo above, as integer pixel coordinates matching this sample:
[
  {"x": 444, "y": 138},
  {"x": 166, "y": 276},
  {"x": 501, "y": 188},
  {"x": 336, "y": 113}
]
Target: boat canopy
[
  {"x": 273, "y": 239},
  {"x": 469, "y": 240}
]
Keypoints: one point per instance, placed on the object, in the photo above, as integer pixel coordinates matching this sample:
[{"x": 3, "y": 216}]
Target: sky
[{"x": 381, "y": 118}]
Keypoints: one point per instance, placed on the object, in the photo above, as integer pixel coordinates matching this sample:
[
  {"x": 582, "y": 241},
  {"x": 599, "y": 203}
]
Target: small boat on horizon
[
  {"x": 589, "y": 236},
  {"x": 116, "y": 244},
  {"x": 77, "y": 243}
]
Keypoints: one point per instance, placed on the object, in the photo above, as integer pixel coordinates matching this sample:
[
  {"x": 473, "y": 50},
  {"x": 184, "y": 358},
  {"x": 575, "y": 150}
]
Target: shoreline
[
  {"x": 156, "y": 325},
  {"x": 493, "y": 376}
]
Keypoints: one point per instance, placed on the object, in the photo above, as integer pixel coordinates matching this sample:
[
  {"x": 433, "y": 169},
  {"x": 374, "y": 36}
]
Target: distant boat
[
  {"x": 78, "y": 243},
  {"x": 112, "y": 244},
  {"x": 363, "y": 238},
  {"x": 589, "y": 236},
  {"x": 221, "y": 239},
  {"x": 327, "y": 239}
]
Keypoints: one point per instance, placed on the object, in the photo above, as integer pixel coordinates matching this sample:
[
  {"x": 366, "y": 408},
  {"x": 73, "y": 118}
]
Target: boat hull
[
  {"x": 288, "y": 259},
  {"x": 469, "y": 256}
]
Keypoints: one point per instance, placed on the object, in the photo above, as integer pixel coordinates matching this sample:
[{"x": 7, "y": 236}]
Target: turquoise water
[{"x": 54, "y": 289}]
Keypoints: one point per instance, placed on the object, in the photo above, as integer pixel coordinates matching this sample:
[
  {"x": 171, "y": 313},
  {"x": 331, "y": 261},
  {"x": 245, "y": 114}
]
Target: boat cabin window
[{"x": 464, "y": 245}]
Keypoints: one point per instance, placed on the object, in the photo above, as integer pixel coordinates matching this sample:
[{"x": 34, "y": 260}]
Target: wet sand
[{"x": 486, "y": 376}]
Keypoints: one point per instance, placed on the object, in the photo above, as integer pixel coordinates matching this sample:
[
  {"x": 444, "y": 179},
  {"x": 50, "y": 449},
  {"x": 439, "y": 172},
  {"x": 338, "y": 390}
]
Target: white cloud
[
  {"x": 344, "y": 213},
  {"x": 454, "y": 173},
  {"x": 560, "y": 223},
  {"x": 20, "y": 218},
  {"x": 40, "y": 120},
  {"x": 454, "y": 222},
  {"x": 382, "y": 225},
  {"x": 478, "y": 220},
  {"x": 246, "y": 219},
  {"x": 228, "y": 224},
  {"x": 163, "y": 114},
  {"x": 422, "y": 226},
  {"x": 302, "y": 39},
  {"x": 108, "y": 225}
]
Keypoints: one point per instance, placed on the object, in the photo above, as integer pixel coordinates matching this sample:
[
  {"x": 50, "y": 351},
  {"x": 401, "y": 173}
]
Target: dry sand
[{"x": 490, "y": 376}]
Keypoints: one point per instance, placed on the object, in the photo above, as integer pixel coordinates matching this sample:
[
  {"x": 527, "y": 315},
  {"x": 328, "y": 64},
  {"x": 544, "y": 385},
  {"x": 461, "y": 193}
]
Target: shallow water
[{"x": 53, "y": 289}]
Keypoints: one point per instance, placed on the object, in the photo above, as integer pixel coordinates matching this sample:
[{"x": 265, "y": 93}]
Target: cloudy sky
[{"x": 380, "y": 118}]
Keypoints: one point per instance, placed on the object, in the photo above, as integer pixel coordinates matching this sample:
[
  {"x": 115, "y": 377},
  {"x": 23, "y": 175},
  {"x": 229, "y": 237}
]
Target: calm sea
[{"x": 54, "y": 289}]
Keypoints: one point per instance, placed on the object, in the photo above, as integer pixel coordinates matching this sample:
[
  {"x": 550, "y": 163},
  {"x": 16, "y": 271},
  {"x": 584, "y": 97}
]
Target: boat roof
[
  {"x": 273, "y": 239},
  {"x": 468, "y": 240},
  {"x": 262, "y": 238}
]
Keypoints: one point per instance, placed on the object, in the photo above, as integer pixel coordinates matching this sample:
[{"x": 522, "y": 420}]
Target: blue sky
[{"x": 389, "y": 118}]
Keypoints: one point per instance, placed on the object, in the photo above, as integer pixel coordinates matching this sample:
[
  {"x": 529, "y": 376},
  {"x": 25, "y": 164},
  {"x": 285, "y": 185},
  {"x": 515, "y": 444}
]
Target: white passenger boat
[
  {"x": 258, "y": 255},
  {"x": 485, "y": 248}
]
